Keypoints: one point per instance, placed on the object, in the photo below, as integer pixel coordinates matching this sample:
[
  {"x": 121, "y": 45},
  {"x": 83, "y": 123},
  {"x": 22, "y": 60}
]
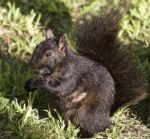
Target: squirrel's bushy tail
[{"x": 97, "y": 39}]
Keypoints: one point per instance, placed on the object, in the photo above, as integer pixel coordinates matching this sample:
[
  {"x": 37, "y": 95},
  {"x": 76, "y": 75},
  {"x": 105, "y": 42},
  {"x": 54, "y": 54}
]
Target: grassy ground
[{"x": 22, "y": 25}]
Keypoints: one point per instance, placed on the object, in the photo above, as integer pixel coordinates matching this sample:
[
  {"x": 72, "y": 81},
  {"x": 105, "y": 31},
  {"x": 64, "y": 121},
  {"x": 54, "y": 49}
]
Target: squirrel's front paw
[{"x": 29, "y": 86}]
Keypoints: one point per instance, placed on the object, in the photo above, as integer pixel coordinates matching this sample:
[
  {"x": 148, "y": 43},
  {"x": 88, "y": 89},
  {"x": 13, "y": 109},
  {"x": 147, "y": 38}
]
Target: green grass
[{"x": 22, "y": 26}]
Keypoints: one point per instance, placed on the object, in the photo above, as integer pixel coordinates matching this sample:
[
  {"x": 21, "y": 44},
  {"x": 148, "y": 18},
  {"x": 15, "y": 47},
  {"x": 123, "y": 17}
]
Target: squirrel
[{"x": 93, "y": 82}]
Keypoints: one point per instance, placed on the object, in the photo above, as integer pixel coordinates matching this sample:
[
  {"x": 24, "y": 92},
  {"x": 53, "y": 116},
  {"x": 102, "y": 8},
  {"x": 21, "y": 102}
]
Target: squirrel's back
[{"x": 97, "y": 40}]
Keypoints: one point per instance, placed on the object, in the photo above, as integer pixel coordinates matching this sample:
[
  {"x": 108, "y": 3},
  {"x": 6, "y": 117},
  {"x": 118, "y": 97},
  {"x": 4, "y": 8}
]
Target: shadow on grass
[
  {"x": 54, "y": 14},
  {"x": 142, "y": 109}
]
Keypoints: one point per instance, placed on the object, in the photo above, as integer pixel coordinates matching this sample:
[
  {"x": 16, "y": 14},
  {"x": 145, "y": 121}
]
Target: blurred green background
[{"x": 22, "y": 27}]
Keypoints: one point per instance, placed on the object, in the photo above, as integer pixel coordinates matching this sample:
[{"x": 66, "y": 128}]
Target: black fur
[
  {"x": 97, "y": 40},
  {"x": 102, "y": 77}
]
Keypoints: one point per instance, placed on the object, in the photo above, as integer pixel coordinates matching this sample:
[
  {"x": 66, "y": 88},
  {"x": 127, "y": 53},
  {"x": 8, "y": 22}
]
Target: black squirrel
[{"x": 92, "y": 83}]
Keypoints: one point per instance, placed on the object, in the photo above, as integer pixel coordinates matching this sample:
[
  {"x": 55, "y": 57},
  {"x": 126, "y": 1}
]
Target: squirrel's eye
[{"x": 48, "y": 54}]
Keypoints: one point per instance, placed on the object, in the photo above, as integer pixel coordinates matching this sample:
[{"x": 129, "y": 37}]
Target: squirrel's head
[{"x": 49, "y": 53}]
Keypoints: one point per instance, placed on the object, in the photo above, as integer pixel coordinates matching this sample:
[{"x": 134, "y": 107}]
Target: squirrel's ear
[
  {"x": 49, "y": 34},
  {"x": 62, "y": 45}
]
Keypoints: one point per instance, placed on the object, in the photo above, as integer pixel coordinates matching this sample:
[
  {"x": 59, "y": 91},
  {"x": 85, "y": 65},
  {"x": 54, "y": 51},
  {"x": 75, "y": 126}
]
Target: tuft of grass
[
  {"x": 23, "y": 122},
  {"x": 19, "y": 33},
  {"x": 135, "y": 27},
  {"x": 125, "y": 125}
]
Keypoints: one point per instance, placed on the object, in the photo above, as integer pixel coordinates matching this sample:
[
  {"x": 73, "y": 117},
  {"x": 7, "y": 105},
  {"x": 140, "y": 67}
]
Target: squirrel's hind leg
[{"x": 93, "y": 117}]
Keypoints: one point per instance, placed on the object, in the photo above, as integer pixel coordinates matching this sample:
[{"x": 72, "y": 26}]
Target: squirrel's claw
[{"x": 28, "y": 86}]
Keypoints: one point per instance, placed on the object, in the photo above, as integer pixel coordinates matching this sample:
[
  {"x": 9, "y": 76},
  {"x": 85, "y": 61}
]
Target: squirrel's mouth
[{"x": 44, "y": 71}]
